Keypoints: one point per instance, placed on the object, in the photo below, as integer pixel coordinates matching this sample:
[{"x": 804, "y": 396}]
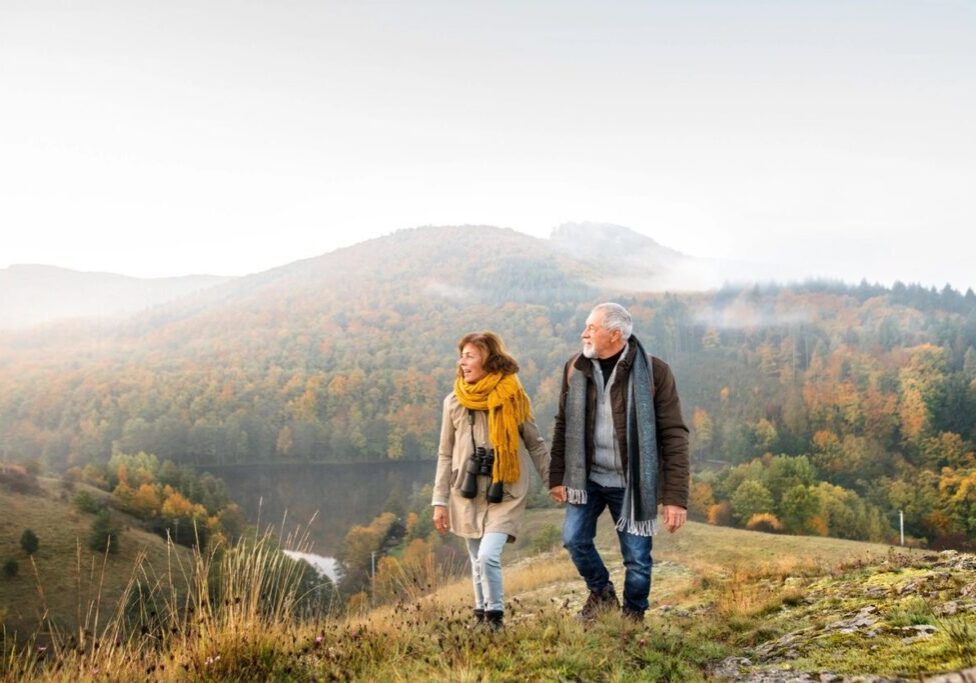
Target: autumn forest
[{"x": 815, "y": 408}]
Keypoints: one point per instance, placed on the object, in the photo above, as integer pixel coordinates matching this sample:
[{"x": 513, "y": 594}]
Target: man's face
[{"x": 598, "y": 342}]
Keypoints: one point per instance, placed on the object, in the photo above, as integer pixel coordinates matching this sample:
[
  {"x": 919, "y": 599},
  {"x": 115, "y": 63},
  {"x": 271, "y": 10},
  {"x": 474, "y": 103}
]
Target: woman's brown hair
[{"x": 497, "y": 358}]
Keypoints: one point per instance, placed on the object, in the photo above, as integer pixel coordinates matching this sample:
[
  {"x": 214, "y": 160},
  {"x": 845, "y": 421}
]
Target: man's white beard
[{"x": 589, "y": 351}]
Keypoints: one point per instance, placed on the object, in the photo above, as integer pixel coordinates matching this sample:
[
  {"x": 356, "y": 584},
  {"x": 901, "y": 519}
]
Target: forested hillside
[
  {"x": 338, "y": 358},
  {"x": 866, "y": 391}
]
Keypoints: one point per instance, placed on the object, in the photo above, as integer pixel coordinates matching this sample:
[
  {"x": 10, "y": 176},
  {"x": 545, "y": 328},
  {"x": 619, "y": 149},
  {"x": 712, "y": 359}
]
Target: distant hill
[
  {"x": 396, "y": 303},
  {"x": 580, "y": 255},
  {"x": 628, "y": 260},
  {"x": 348, "y": 355},
  {"x": 35, "y": 294}
]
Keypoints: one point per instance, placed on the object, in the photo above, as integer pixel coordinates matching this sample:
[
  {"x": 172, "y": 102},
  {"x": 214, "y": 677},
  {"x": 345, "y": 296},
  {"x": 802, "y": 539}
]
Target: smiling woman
[
  {"x": 481, "y": 485},
  {"x": 483, "y": 353},
  {"x": 472, "y": 363}
]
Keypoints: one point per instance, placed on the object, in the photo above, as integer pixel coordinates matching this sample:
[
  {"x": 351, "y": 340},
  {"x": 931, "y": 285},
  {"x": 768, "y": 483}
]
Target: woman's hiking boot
[
  {"x": 479, "y": 618},
  {"x": 494, "y": 619},
  {"x": 599, "y": 601}
]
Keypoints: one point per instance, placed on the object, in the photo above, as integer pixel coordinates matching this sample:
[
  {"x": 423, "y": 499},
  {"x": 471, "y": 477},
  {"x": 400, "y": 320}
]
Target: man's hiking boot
[
  {"x": 599, "y": 601},
  {"x": 479, "y": 618},
  {"x": 494, "y": 619},
  {"x": 633, "y": 615}
]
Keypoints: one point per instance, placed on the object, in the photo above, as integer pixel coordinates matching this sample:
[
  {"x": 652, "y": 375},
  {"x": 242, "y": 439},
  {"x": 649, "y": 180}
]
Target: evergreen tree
[
  {"x": 104, "y": 535},
  {"x": 29, "y": 541}
]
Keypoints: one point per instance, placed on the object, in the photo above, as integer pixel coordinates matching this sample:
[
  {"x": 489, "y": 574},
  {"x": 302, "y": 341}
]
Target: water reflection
[
  {"x": 338, "y": 496},
  {"x": 327, "y": 566}
]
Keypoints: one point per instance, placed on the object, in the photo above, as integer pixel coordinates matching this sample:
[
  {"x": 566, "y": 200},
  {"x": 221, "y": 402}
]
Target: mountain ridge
[
  {"x": 611, "y": 257},
  {"x": 36, "y": 294}
]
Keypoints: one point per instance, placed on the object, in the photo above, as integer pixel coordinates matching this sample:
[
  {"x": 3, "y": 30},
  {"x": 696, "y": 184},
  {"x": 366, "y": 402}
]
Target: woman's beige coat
[{"x": 472, "y": 517}]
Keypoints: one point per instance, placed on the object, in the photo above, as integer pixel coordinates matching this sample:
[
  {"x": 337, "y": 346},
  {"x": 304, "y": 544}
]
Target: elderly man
[{"x": 619, "y": 443}]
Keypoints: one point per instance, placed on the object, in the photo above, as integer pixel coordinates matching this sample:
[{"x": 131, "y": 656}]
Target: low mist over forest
[{"x": 798, "y": 396}]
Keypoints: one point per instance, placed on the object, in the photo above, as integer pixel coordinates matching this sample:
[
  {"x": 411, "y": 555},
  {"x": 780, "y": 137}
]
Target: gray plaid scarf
[{"x": 639, "y": 512}]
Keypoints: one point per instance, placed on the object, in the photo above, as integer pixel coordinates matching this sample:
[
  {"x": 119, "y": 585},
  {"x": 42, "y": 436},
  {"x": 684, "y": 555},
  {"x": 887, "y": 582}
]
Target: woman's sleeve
[
  {"x": 536, "y": 446},
  {"x": 445, "y": 456}
]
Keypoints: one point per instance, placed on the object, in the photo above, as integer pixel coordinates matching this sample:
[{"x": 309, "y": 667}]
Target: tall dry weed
[{"x": 223, "y": 601}]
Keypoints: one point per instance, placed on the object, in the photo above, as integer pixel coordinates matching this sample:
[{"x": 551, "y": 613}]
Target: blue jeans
[
  {"x": 579, "y": 529},
  {"x": 486, "y": 569}
]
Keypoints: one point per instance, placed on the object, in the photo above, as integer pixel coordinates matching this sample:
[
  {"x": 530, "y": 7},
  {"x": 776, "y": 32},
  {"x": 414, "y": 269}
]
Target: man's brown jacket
[{"x": 672, "y": 434}]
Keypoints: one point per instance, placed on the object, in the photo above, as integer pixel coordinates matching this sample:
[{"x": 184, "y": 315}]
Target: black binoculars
[{"x": 480, "y": 464}]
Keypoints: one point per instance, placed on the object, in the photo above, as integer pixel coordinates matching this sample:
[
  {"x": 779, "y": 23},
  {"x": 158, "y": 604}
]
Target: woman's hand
[{"x": 440, "y": 518}]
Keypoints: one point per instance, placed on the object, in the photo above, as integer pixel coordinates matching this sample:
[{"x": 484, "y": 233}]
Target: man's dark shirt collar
[{"x": 607, "y": 365}]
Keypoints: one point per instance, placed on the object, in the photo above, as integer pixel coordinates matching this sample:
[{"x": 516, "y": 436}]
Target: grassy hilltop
[{"x": 726, "y": 605}]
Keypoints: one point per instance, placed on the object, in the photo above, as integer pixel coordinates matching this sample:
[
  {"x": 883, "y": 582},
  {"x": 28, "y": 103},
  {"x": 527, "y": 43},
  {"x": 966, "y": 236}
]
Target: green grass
[
  {"x": 912, "y": 612},
  {"x": 717, "y": 593},
  {"x": 66, "y": 579}
]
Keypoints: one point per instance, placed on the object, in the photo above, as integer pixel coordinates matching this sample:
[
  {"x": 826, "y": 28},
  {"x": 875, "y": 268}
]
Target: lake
[{"x": 338, "y": 496}]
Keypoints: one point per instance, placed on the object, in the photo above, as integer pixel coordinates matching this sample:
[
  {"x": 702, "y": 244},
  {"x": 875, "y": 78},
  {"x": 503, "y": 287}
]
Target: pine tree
[
  {"x": 104, "y": 535},
  {"x": 29, "y": 541}
]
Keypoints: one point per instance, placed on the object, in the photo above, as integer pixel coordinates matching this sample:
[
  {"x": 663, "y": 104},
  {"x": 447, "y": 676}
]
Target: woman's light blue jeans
[{"x": 486, "y": 570}]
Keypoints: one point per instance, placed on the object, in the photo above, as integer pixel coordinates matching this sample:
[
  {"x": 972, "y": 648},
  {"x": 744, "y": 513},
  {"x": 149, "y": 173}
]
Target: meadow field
[{"x": 726, "y": 605}]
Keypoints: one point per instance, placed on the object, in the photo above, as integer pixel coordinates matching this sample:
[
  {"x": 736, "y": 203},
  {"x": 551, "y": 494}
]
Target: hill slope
[
  {"x": 726, "y": 605},
  {"x": 70, "y": 579}
]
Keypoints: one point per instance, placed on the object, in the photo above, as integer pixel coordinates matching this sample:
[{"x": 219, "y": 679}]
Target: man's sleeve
[
  {"x": 557, "y": 452},
  {"x": 672, "y": 436}
]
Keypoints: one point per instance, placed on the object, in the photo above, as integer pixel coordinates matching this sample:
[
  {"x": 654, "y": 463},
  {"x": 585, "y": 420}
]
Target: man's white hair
[{"x": 616, "y": 317}]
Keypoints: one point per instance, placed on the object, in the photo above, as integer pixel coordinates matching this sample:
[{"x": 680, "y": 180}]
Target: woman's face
[{"x": 472, "y": 364}]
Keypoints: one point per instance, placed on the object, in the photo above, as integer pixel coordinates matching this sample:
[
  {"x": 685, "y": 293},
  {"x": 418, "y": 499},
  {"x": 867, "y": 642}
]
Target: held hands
[
  {"x": 440, "y": 518},
  {"x": 558, "y": 494}
]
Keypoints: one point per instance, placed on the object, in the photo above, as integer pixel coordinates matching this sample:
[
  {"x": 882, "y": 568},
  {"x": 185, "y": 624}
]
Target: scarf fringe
[
  {"x": 576, "y": 496},
  {"x": 632, "y": 526}
]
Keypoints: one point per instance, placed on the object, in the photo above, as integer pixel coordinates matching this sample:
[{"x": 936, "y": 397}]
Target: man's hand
[
  {"x": 440, "y": 518},
  {"x": 558, "y": 494},
  {"x": 674, "y": 517}
]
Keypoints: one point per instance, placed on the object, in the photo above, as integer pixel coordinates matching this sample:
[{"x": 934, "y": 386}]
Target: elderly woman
[{"x": 482, "y": 474}]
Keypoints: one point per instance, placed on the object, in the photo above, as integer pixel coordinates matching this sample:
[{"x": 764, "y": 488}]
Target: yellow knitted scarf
[{"x": 508, "y": 406}]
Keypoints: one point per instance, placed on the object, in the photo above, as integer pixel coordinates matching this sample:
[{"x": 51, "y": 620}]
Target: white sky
[{"x": 165, "y": 138}]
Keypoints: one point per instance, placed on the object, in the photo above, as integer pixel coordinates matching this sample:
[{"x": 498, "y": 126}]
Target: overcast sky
[{"x": 165, "y": 138}]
